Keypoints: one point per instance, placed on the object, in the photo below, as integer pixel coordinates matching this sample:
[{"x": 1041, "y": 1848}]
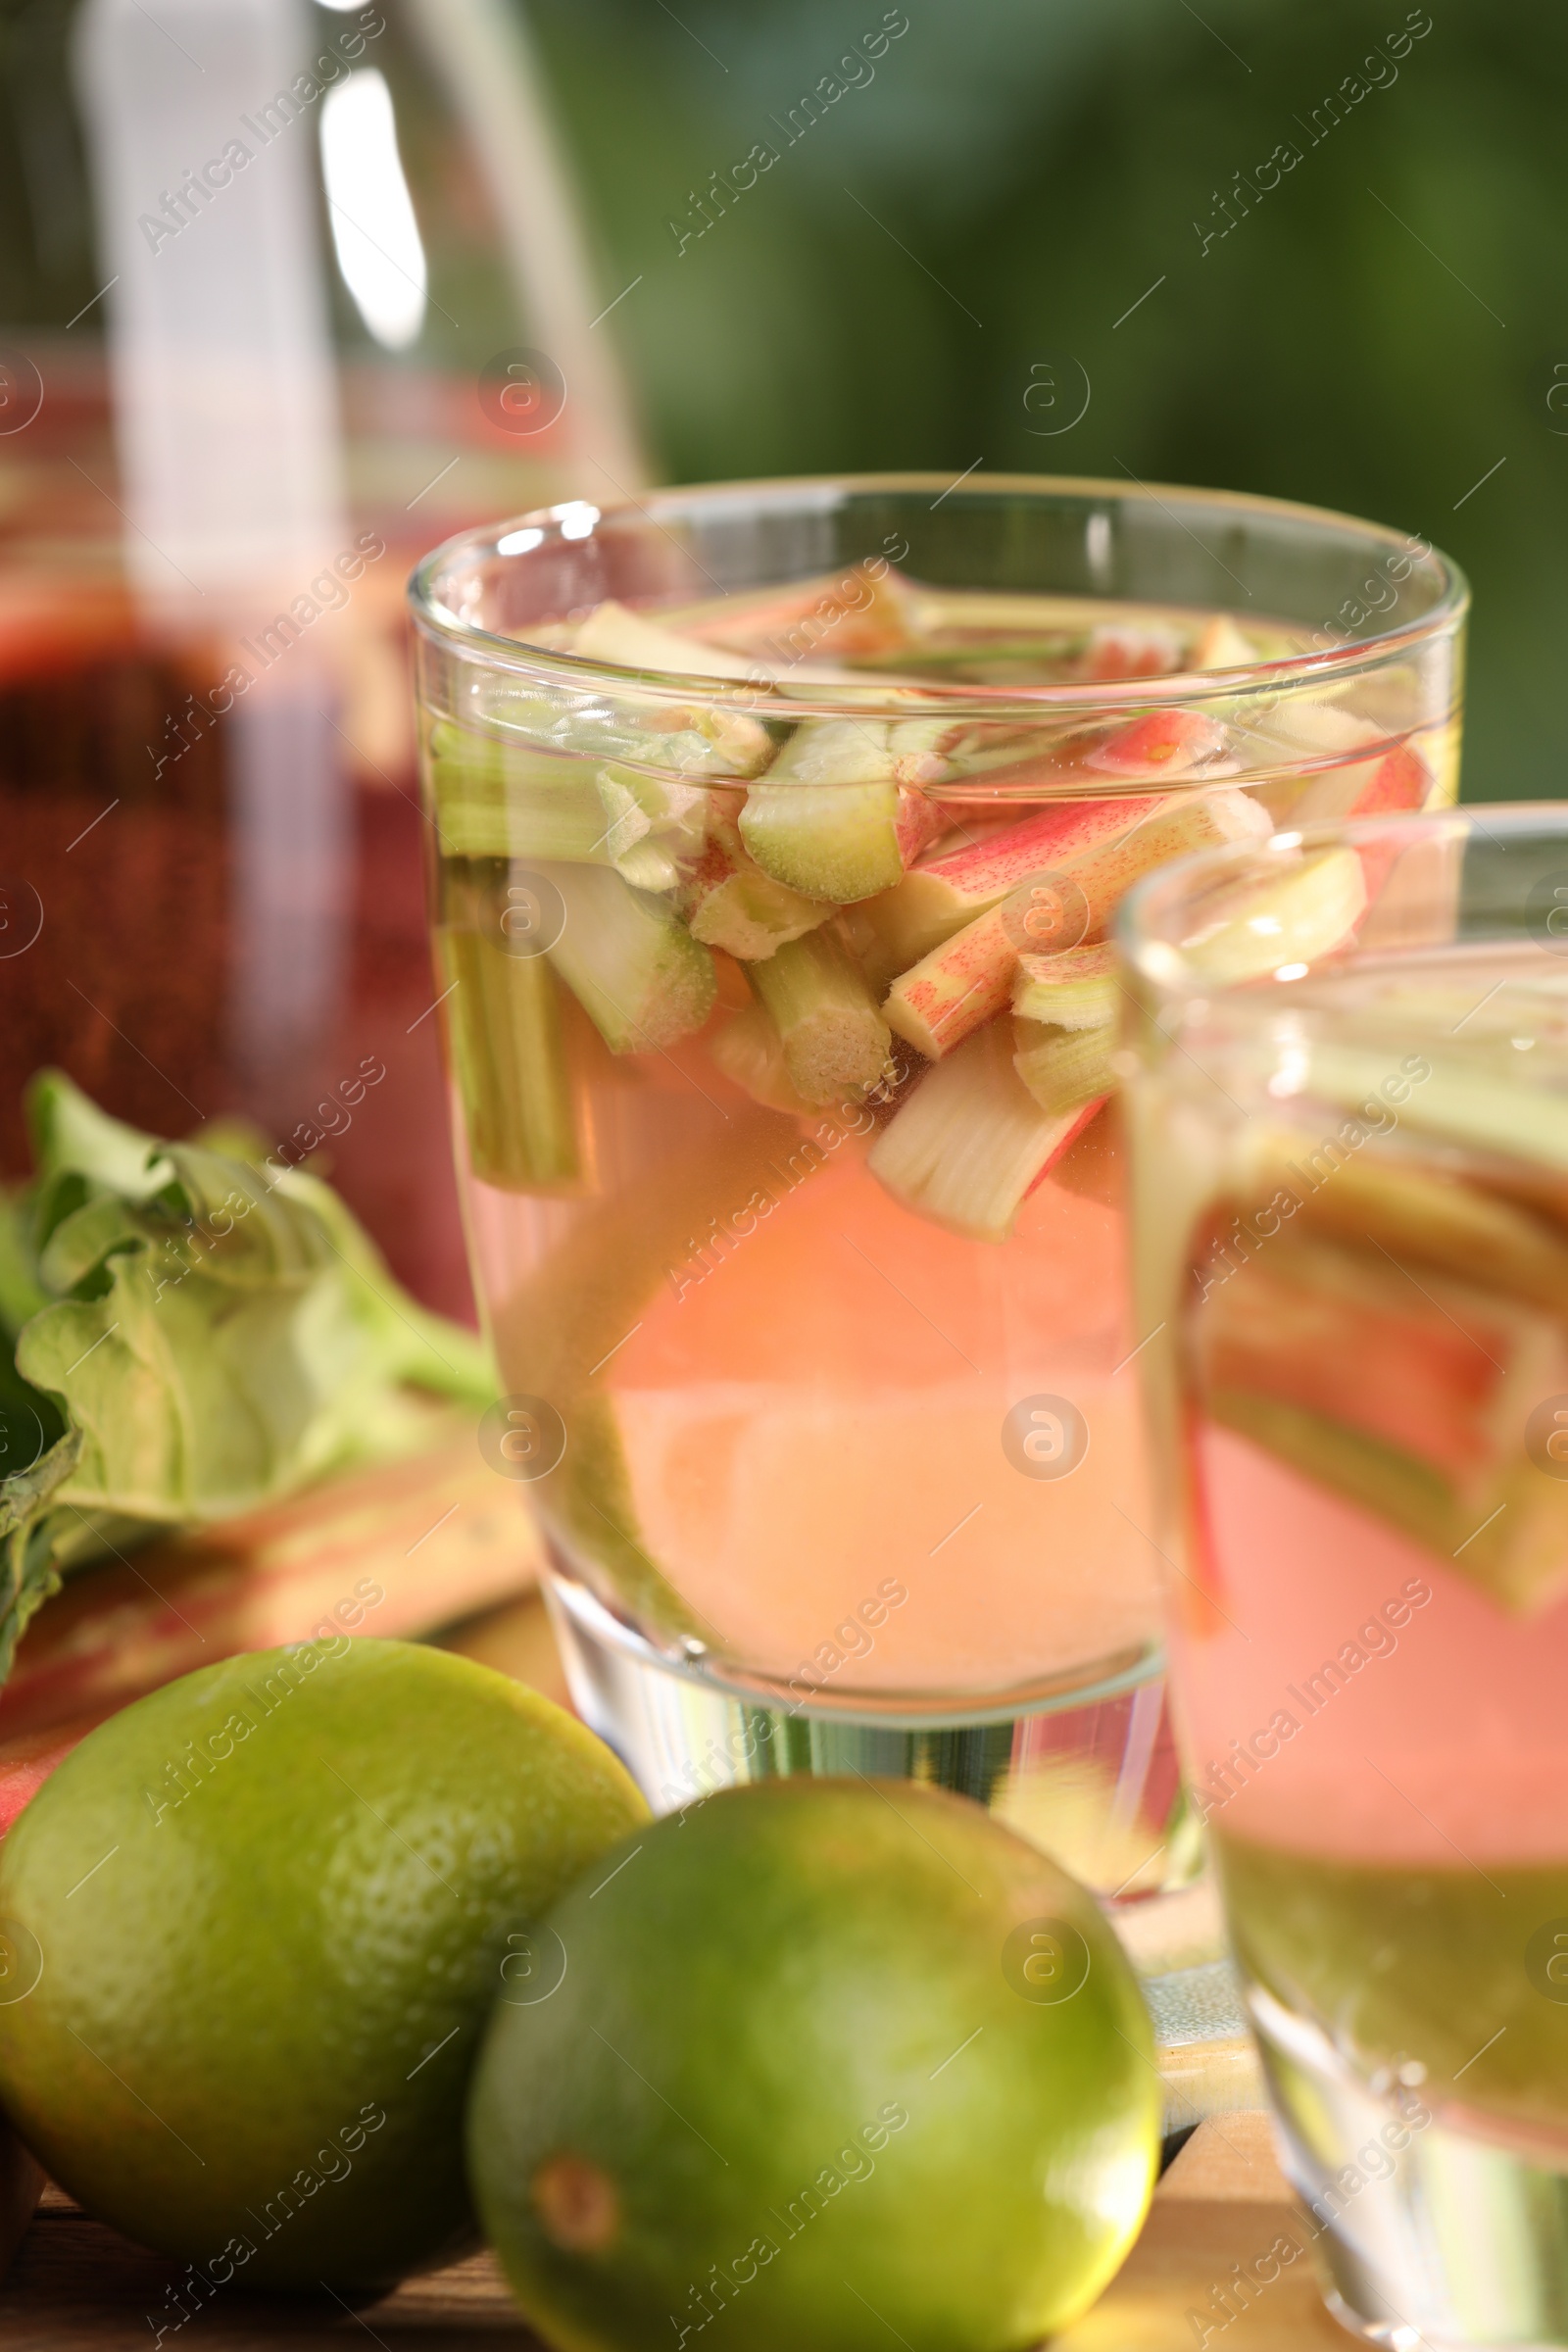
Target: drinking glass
[
  {"x": 808, "y": 1296},
  {"x": 1349, "y": 1145}
]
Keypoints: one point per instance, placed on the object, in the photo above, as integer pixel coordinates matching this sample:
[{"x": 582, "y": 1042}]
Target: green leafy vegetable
[{"x": 188, "y": 1334}]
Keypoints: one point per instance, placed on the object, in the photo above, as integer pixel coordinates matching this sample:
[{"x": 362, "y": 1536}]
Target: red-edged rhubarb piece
[
  {"x": 395, "y": 1550},
  {"x": 27, "y": 1760},
  {"x": 833, "y": 1038},
  {"x": 836, "y": 615},
  {"x": 1400, "y": 780},
  {"x": 1165, "y": 743},
  {"x": 972, "y": 1142},
  {"x": 1130, "y": 650},
  {"x": 960, "y": 984},
  {"x": 1402, "y": 1397},
  {"x": 730, "y": 903},
  {"x": 938, "y": 896}
]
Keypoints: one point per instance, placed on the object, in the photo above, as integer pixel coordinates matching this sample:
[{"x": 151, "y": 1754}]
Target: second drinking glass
[{"x": 776, "y": 832}]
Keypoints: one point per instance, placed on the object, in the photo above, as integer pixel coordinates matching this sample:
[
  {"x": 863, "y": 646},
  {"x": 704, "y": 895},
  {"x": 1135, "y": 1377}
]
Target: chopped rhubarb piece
[
  {"x": 730, "y": 903},
  {"x": 1076, "y": 990},
  {"x": 834, "y": 616},
  {"x": 1165, "y": 743},
  {"x": 630, "y": 962},
  {"x": 970, "y": 1141},
  {"x": 838, "y": 814},
  {"x": 612, "y": 632},
  {"x": 960, "y": 984},
  {"x": 1400, "y": 780},
  {"x": 644, "y": 812},
  {"x": 749, "y": 1053},
  {"x": 1258, "y": 926},
  {"x": 505, "y": 1047},
  {"x": 1124, "y": 649},
  {"x": 958, "y": 987},
  {"x": 498, "y": 800},
  {"x": 1220, "y": 645},
  {"x": 1394, "y": 1395},
  {"x": 833, "y": 1038},
  {"x": 938, "y": 898},
  {"x": 1063, "y": 1067},
  {"x": 1427, "y": 1216},
  {"x": 27, "y": 1760},
  {"x": 864, "y": 751},
  {"x": 506, "y": 800}
]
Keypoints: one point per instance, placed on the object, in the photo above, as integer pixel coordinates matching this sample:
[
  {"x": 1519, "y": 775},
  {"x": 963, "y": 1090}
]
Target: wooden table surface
[{"x": 75, "y": 2287}]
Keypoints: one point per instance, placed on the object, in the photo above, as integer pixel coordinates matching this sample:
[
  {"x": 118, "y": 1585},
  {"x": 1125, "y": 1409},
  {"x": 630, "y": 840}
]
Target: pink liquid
[
  {"x": 813, "y": 1409},
  {"x": 1446, "y": 1741}
]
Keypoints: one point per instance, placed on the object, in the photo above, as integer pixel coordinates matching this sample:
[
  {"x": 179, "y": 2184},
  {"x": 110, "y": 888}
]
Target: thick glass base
[
  {"x": 1087, "y": 1773},
  {"x": 1087, "y": 1770},
  {"x": 1424, "y": 2234}
]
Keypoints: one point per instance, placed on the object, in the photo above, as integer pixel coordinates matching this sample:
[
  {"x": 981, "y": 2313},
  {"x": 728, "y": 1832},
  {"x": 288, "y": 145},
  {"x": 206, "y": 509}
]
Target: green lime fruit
[
  {"x": 250, "y": 1934},
  {"x": 827, "y": 2063}
]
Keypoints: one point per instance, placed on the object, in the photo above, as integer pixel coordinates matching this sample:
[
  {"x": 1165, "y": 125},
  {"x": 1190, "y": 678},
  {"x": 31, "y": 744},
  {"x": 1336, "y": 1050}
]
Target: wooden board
[{"x": 75, "y": 2287}]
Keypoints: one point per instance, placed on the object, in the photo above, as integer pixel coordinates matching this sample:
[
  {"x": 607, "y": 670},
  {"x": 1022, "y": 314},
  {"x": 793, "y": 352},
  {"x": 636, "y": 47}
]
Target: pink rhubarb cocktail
[
  {"x": 776, "y": 840},
  {"x": 1353, "y": 1231}
]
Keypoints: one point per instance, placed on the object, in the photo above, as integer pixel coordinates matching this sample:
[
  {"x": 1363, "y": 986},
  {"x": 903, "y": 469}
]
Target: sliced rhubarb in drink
[
  {"x": 750, "y": 1052},
  {"x": 652, "y": 823},
  {"x": 1102, "y": 845},
  {"x": 836, "y": 615},
  {"x": 1421, "y": 1215},
  {"x": 963, "y": 982},
  {"x": 833, "y": 1036},
  {"x": 498, "y": 800},
  {"x": 1063, "y": 1067},
  {"x": 501, "y": 800},
  {"x": 1408, "y": 1396},
  {"x": 503, "y": 1037},
  {"x": 1220, "y": 645},
  {"x": 614, "y": 632},
  {"x": 1165, "y": 743},
  {"x": 864, "y": 751},
  {"x": 1258, "y": 926},
  {"x": 1128, "y": 650},
  {"x": 1076, "y": 990},
  {"x": 972, "y": 1142},
  {"x": 629, "y": 960},
  {"x": 730, "y": 903},
  {"x": 840, "y": 815}
]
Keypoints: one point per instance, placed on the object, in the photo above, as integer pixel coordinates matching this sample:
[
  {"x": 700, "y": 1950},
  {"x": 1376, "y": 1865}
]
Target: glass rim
[
  {"x": 555, "y": 667},
  {"x": 1147, "y": 912}
]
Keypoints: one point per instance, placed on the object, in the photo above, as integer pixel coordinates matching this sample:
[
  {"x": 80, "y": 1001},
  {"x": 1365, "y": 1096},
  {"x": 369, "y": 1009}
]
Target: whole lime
[
  {"x": 250, "y": 1934},
  {"x": 839, "y": 2064}
]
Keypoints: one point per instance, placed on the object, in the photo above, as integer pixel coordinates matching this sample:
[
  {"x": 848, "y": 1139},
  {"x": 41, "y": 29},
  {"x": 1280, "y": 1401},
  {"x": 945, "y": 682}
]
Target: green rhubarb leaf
[
  {"x": 21, "y": 1293},
  {"x": 29, "y": 1569},
  {"x": 206, "y": 1334}
]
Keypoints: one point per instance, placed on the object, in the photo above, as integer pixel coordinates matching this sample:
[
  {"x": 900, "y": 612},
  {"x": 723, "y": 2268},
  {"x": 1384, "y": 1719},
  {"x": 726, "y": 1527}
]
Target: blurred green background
[
  {"x": 972, "y": 218},
  {"x": 1378, "y": 332}
]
